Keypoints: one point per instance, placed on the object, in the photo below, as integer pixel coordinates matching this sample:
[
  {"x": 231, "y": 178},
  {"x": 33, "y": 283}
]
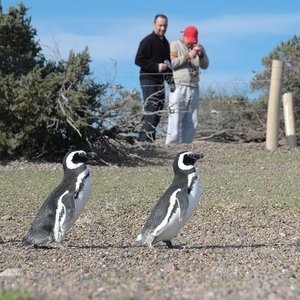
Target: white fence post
[
  {"x": 289, "y": 119},
  {"x": 273, "y": 106}
]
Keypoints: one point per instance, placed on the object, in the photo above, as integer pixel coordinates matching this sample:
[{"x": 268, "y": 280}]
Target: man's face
[
  {"x": 160, "y": 26},
  {"x": 187, "y": 43}
]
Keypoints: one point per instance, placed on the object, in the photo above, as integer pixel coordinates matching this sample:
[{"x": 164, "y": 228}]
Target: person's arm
[
  {"x": 143, "y": 58},
  {"x": 177, "y": 58},
  {"x": 204, "y": 62}
]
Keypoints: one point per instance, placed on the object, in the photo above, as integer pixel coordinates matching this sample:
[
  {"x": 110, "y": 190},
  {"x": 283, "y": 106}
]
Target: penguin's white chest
[{"x": 194, "y": 194}]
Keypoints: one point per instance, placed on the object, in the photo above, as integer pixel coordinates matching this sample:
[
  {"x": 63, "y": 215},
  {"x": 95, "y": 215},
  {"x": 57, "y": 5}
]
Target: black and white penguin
[
  {"x": 176, "y": 205},
  {"x": 64, "y": 205}
]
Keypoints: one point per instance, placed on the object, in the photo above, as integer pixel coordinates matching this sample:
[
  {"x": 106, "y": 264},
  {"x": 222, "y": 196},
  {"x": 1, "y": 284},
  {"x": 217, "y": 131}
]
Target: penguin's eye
[
  {"x": 188, "y": 160},
  {"x": 79, "y": 157}
]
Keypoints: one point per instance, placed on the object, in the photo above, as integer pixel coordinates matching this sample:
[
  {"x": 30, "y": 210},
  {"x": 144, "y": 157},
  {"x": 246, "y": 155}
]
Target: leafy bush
[{"x": 47, "y": 107}]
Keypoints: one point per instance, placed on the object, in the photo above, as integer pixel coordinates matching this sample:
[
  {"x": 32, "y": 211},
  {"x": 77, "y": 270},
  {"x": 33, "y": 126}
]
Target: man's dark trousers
[{"x": 154, "y": 99}]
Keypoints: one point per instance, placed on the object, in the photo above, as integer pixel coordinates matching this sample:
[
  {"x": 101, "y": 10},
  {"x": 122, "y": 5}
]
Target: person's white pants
[{"x": 183, "y": 115}]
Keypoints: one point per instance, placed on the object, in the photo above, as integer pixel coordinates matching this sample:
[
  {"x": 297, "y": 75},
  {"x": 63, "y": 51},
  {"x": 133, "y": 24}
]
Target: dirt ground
[{"x": 230, "y": 251}]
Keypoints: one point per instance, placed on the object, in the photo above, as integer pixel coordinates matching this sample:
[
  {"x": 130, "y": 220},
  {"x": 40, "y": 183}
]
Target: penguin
[
  {"x": 64, "y": 205},
  {"x": 176, "y": 205}
]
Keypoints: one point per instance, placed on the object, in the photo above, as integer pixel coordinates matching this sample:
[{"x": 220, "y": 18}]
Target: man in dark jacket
[{"x": 152, "y": 57}]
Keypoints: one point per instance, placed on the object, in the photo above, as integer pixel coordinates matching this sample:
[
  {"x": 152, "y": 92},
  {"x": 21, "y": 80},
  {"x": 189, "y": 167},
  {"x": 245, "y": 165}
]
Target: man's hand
[
  {"x": 162, "y": 67},
  {"x": 193, "y": 53},
  {"x": 196, "y": 51}
]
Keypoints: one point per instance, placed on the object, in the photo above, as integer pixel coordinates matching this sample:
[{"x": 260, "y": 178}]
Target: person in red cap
[{"x": 187, "y": 57}]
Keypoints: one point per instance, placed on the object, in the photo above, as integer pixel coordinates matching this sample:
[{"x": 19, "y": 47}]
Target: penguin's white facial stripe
[
  {"x": 60, "y": 217},
  {"x": 69, "y": 160},
  {"x": 181, "y": 164},
  {"x": 164, "y": 223}
]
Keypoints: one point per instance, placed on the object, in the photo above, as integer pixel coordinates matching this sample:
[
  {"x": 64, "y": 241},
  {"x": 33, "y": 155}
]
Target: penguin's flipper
[
  {"x": 177, "y": 208},
  {"x": 183, "y": 202}
]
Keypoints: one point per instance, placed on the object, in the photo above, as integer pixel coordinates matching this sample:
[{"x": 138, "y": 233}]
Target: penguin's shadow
[
  {"x": 106, "y": 246},
  {"x": 175, "y": 247},
  {"x": 207, "y": 247},
  {"x": 18, "y": 243},
  {"x": 137, "y": 246},
  {"x": 230, "y": 246},
  {"x": 52, "y": 246}
]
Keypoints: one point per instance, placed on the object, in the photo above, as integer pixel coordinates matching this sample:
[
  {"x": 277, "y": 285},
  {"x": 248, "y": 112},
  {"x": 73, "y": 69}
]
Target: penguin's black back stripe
[
  {"x": 82, "y": 184},
  {"x": 194, "y": 179}
]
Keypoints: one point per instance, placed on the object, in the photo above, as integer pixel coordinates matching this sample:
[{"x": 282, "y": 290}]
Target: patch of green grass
[
  {"x": 16, "y": 295},
  {"x": 261, "y": 157},
  {"x": 26, "y": 188},
  {"x": 251, "y": 189},
  {"x": 246, "y": 178}
]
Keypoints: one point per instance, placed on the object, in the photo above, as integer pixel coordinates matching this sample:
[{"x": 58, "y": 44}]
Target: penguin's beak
[
  {"x": 197, "y": 156},
  {"x": 91, "y": 155}
]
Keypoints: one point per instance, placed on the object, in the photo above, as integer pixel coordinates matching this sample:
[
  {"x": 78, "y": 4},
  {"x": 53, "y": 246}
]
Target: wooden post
[
  {"x": 289, "y": 120},
  {"x": 273, "y": 106}
]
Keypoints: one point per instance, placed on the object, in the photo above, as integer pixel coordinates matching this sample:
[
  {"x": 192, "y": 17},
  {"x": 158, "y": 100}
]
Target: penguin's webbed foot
[
  {"x": 169, "y": 244},
  {"x": 58, "y": 245}
]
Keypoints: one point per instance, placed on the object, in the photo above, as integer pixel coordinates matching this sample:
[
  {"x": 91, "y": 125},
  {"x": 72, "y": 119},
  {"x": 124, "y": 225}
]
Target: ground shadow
[
  {"x": 175, "y": 247},
  {"x": 53, "y": 246},
  {"x": 230, "y": 246}
]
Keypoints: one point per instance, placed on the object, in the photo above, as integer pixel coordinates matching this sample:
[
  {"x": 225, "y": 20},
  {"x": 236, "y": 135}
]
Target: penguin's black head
[
  {"x": 75, "y": 159},
  {"x": 185, "y": 161}
]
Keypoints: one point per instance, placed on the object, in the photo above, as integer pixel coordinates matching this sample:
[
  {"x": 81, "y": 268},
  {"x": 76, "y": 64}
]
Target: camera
[{"x": 168, "y": 63}]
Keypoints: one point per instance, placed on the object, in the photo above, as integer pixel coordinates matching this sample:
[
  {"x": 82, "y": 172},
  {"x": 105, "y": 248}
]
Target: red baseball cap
[{"x": 191, "y": 34}]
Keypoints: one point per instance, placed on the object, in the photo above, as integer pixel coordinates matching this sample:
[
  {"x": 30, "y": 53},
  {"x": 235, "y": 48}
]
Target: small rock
[
  {"x": 298, "y": 245},
  {"x": 6, "y": 218},
  {"x": 295, "y": 286},
  {"x": 14, "y": 272},
  {"x": 169, "y": 268}
]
